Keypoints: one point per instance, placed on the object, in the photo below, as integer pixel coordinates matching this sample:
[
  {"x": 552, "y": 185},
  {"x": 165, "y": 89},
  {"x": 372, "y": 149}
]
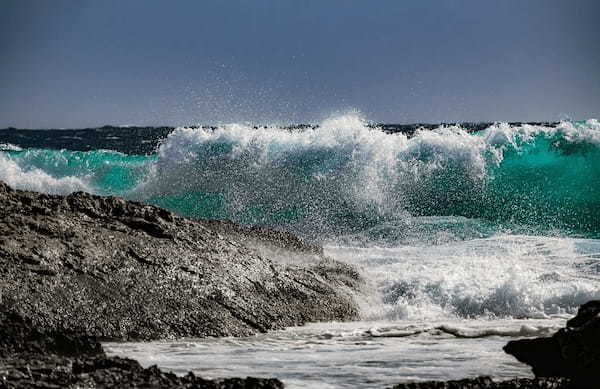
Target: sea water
[
  {"x": 433, "y": 313},
  {"x": 466, "y": 239}
]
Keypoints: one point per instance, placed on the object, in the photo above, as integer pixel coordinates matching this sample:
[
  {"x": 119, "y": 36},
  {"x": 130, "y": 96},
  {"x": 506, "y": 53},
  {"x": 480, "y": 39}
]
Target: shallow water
[
  {"x": 350, "y": 355},
  {"x": 432, "y": 312}
]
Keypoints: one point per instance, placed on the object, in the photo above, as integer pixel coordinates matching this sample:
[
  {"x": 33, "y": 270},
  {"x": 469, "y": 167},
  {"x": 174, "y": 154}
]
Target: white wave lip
[
  {"x": 343, "y": 160},
  {"x": 9, "y": 147},
  {"x": 35, "y": 179},
  {"x": 343, "y": 164}
]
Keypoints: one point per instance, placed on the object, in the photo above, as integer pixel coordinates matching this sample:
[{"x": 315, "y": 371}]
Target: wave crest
[{"x": 345, "y": 172}]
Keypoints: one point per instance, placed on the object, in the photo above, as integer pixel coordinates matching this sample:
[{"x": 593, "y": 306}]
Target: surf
[{"x": 346, "y": 176}]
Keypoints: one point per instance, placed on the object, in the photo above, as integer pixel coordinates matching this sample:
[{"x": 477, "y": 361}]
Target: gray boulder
[{"x": 115, "y": 269}]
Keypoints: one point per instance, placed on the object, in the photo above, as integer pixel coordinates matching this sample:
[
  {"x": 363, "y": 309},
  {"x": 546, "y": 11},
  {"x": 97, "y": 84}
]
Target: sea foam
[{"x": 347, "y": 173}]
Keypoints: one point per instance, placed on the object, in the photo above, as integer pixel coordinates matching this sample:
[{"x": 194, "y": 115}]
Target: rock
[
  {"x": 31, "y": 357},
  {"x": 488, "y": 383},
  {"x": 79, "y": 268},
  {"x": 19, "y": 336},
  {"x": 586, "y": 313},
  {"x": 265, "y": 237},
  {"x": 50, "y": 371},
  {"x": 110, "y": 268},
  {"x": 572, "y": 352}
]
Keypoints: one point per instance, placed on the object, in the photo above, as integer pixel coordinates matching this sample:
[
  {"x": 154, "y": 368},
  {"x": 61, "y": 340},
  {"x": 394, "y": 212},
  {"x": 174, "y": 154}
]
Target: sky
[{"x": 85, "y": 63}]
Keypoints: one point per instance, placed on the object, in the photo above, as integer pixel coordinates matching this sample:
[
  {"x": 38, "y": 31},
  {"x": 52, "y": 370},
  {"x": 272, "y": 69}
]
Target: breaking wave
[
  {"x": 501, "y": 222},
  {"x": 344, "y": 173},
  {"x": 345, "y": 176}
]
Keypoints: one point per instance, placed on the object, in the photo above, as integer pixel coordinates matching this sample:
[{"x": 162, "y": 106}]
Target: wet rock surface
[
  {"x": 31, "y": 357},
  {"x": 114, "y": 269},
  {"x": 488, "y": 383},
  {"x": 80, "y": 268},
  {"x": 572, "y": 352},
  {"x": 265, "y": 237}
]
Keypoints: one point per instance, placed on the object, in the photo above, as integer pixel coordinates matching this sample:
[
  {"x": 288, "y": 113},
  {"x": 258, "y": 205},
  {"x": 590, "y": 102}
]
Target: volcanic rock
[
  {"x": 572, "y": 352},
  {"x": 488, "y": 383}
]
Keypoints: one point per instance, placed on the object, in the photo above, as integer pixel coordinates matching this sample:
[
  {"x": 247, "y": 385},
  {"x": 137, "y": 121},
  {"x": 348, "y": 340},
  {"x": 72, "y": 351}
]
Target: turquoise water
[{"x": 345, "y": 177}]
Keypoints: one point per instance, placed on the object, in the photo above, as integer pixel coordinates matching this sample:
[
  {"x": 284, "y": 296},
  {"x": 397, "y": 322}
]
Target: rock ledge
[{"x": 116, "y": 269}]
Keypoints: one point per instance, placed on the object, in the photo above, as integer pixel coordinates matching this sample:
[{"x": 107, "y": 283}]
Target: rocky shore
[
  {"x": 569, "y": 359},
  {"x": 488, "y": 383},
  {"x": 33, "y": 357},
  {"x": 115, "y": 269},
  {"x": 572, "y": 352},
  {"x": 78, "y": 269},
  {"x": 82, "y": 268}
]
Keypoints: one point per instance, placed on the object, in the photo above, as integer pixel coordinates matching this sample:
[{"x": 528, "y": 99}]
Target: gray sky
[{"x": 87, "y": 63}]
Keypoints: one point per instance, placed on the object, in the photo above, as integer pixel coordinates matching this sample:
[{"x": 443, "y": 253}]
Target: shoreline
[{"x": 82, "y": 268}]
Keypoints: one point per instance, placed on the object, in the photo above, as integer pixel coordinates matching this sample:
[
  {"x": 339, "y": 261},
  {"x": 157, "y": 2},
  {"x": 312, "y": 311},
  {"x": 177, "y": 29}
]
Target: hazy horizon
[{"x": 84, "y": 64}]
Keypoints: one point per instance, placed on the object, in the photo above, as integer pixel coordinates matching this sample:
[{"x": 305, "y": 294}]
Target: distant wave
[
  {"x": 65, "y": 171},
  {"x": 32, "y": 178},
  {"x": 9, "y": 147}
]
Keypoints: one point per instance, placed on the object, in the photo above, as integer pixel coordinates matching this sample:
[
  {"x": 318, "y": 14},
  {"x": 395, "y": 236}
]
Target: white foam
[
  {"x": 343, "y": 164},
  {"x": 351, "y": 355},
  {"x": 501, "y": 276},
  {"x": 9, "y": 147},
  {"x": 38, "y": 180}
]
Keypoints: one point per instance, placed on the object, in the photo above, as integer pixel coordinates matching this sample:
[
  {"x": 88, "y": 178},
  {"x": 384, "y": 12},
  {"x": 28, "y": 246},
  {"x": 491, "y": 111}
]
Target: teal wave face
[
  {"x": 62, "y": 171},
  {"x": 545, "y": 183},
  {"x": 345, "y": 177},
  {"x": 550, "y": 183}
]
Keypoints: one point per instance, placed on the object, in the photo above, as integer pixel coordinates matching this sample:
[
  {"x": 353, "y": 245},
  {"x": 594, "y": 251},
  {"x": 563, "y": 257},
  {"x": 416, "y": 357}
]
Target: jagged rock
[
  {"x": 488, "y": 383},
  {"x": 111, "y": 268},
  {"x": 572, "y": 352},
  {"x": 31, "y": 357},
  {"x": 19, "y": 336},
  {"x": 50, "y": 371}
]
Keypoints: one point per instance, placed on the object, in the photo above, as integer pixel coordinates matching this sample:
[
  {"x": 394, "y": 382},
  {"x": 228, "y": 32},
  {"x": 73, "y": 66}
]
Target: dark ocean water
[{"x": 145, "y": 140}]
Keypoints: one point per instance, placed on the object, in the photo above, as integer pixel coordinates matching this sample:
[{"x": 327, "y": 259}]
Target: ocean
[{"x": 468, "y": 235}]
